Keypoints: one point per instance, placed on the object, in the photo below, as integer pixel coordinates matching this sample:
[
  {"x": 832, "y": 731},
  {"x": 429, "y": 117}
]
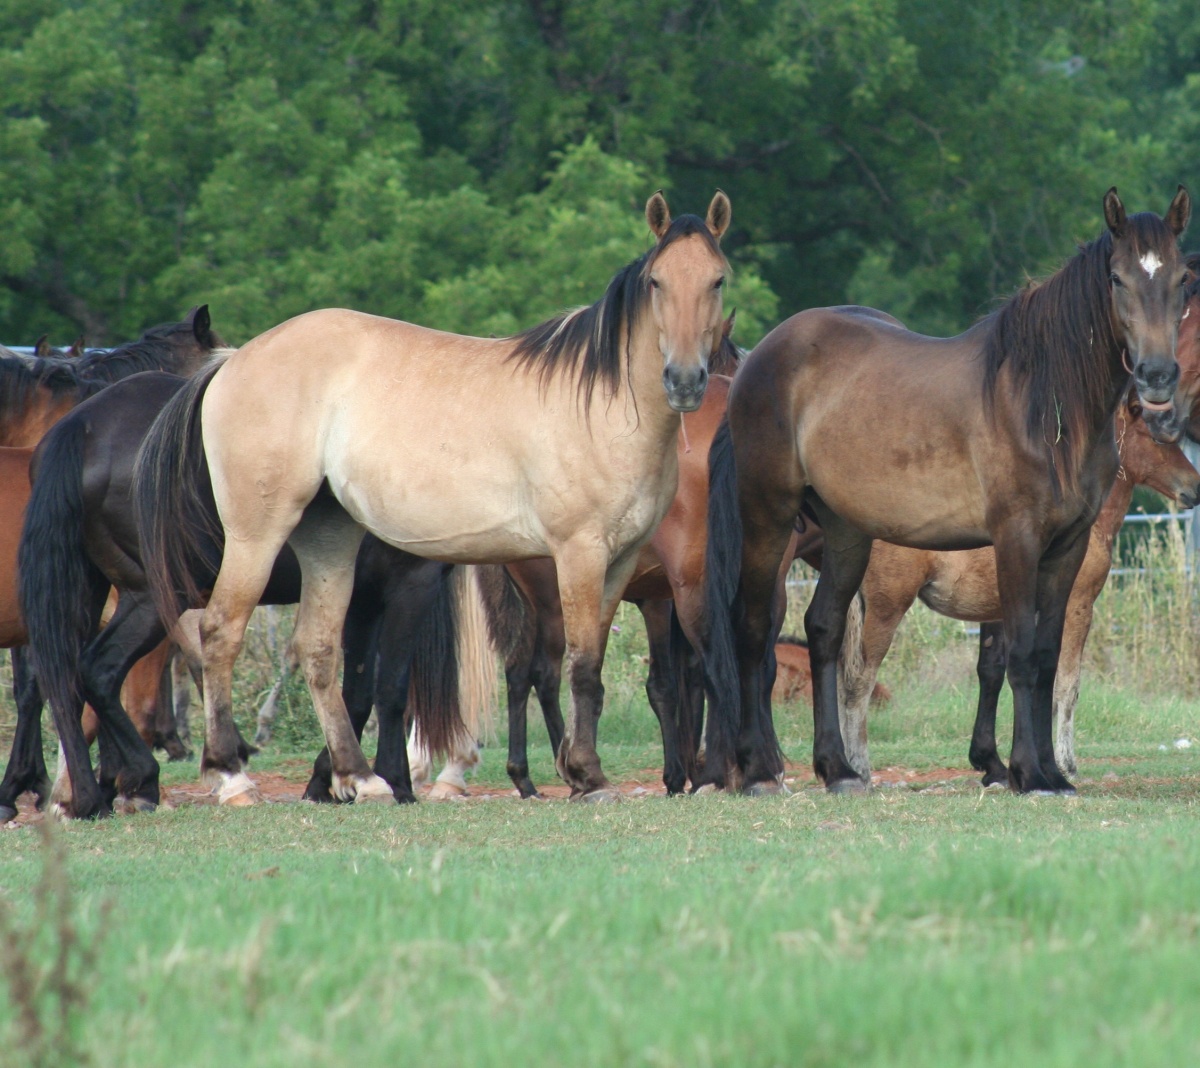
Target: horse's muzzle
[
  {"x": 1165, "y": 426},
  {"x": 685, "y": 387}
]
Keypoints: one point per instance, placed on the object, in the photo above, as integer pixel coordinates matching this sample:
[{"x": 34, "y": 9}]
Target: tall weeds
[{"x": 48, "y": 964}]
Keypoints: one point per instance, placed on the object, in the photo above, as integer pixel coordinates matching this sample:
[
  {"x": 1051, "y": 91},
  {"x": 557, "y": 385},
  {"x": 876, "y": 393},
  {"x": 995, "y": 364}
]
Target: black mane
[
  {"x": 156, "y": 350},
  {"x": 589, "y": 341},
  {"x": 1058, "y": 339}
]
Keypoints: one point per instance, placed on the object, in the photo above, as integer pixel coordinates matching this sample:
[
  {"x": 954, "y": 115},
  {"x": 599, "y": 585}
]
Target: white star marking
[{"x": 1150, "y": 263}]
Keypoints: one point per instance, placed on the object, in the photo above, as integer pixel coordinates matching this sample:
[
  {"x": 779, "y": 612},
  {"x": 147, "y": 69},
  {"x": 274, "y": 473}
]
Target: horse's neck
[
  {"x": 651, "y": 416},
  {"x": 1116, "y": 505}
]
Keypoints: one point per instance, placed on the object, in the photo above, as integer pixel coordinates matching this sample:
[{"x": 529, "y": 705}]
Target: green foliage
[{"x": 481, "y": 169}]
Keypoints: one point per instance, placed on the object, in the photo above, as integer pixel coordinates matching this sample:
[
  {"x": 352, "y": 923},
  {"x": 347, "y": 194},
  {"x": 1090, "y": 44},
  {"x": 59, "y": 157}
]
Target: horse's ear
[
  {"x": 77, "y": 348},
  {"x": 1114, "y": 212},
  {"x": 658, "y": 215},
  {"x": 201, "y": 323},
  {"x": 1179, "y": 214},
  {"x": 41, "y": 347},
  {"x": 727, "y": 326},
  {"x": 720, "y": 211}
]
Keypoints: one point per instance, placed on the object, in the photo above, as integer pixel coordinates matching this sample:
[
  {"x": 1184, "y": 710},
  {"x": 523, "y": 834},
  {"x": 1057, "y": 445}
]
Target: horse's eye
[
  {"x": 653, "y": 283},
  {"x": 1115, "y": 279},
  {"x": 719, "y": 283}
]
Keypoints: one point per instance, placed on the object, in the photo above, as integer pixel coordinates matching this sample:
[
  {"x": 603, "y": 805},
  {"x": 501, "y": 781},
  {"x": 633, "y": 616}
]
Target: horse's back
[
  {"x": 440, "y": 444},
  {"x": 877, "y": 411}
]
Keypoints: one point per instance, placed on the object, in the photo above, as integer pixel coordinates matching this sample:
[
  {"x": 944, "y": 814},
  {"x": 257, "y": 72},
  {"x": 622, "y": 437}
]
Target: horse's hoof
[
  {"x": 447, "y": 791},
  {"x": 239, "y": 791},
  {"x": 131, "y": 806},
  {"x": 602, "y": 795},
  {"x": 707, "y": 789},
  {"x": 994, "y": 784},
  {"x": 847, "y": 786},
  {"x": 362, "y": 790},
  {"x": 770, "y": 788},
  {"x": 7, "y": 812}
]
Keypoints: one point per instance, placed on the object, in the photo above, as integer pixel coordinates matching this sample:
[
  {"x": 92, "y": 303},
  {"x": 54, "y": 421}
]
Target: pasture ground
[{"x": 928, "y": 924}]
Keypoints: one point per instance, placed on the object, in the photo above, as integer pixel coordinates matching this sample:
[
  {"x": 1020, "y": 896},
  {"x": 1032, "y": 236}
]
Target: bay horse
[
  {"x": 81, "y": 538},
  {"x": 526, "y": 621},
  {"x": 1001, "y": 436},
  {"x": 557, "y": 442},
  {"x": 963, "y": 585}
]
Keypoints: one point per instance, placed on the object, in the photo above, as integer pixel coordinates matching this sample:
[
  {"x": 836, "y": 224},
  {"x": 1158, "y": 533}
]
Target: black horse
[
  {"x": 34, "y": 395},
  {"x": 81, "y": 538}
]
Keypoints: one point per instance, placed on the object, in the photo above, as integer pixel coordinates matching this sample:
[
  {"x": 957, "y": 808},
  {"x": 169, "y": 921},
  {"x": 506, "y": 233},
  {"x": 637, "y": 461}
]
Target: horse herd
[{"x": 354, "y": 464}]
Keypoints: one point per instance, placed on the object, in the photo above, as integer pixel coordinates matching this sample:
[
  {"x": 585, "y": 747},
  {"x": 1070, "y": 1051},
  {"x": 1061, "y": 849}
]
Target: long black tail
[
  {"x": 181, "y": 536},
  {"x": 61, "y": 590},
  {"x": 433, "y": 699},
  {"x": 722, "y": 570}
]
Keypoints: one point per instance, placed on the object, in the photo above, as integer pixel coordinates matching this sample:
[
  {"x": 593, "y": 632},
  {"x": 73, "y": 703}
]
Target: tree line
[{"x": 477, "y": 166}]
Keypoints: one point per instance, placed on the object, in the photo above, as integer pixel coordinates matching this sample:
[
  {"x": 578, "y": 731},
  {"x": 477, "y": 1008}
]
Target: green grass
[{"x": 941, "y": 926}]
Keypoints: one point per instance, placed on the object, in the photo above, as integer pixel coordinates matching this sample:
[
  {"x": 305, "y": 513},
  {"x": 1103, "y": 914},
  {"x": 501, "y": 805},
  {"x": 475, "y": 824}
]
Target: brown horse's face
[
  {"x": 1147, "y": 286},
  {"x": 1162, "y": 467},
  {"x": 686, "y": 281},
  {"x": 1186, "y": 415}
]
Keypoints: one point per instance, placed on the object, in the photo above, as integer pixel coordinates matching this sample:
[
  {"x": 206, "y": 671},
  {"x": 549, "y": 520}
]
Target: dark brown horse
[
  {"x": 1001, "y": 436},
  {"x": 34, "y": 396}
]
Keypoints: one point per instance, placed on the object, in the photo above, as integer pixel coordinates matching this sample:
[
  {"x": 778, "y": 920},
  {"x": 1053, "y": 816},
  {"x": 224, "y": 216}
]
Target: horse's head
[
  {"x": 1147, "y": 279},
  {"x": 684, "y": 275},
  {"x": 1147, "y": 462},
  {"x": 1185, "y": 416}
]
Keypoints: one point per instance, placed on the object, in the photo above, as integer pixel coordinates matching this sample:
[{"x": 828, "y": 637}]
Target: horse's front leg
[
  {"x": 1029, "y": 587},
  {"x": 590, "y": 589},
  {"x": 984, "y": 754},
  {"x": 1056, "y": 577}
]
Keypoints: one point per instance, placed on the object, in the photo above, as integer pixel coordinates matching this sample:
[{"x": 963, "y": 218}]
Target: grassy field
[{"x": 921, "y": 924}]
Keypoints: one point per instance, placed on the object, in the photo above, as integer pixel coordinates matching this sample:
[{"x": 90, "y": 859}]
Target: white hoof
[
  {"x": 361, "y": 788},
  {"x": 238, "y": 791},
  {"x": 446, "y": 791}
]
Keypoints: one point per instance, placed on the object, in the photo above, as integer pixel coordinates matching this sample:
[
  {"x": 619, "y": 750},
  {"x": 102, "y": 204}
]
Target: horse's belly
[
  {"x": 964, "y": 586},
  {"x": 476, "y": 527},
  {"x": 934, "y": 510}
]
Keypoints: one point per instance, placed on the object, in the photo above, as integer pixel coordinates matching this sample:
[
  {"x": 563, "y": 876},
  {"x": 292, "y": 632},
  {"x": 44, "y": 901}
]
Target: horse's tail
[
  {"x": 180, "y": 533},
  {"x": 61, "y": 589},
  {"x": 478, "y": 681},
  {"x": 510, "y": 622},
  {"x": 722, "y": 569},
  {"x": 452, "y": 686}
]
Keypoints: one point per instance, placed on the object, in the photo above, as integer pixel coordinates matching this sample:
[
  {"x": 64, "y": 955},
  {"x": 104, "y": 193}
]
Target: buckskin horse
[
  {"x": 1001, "y": 436},
  {"x": 558, "y": 442}
]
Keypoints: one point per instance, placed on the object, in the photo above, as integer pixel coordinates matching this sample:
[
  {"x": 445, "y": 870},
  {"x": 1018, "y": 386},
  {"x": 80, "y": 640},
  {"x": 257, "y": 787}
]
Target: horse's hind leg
[
  {"x": 984, "y": 755},
  {"x": 26, "y": 768},
  {"x": 847, "y": 554},
  {"x": 128, "y": 766},
  {"x": 245, "y": 569},
  {"x": 326, "y": 542},
  {"x": 660, "y": 690}
]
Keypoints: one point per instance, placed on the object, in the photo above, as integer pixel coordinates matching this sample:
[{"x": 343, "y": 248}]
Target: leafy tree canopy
[{"x": 480, "y": 166}]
